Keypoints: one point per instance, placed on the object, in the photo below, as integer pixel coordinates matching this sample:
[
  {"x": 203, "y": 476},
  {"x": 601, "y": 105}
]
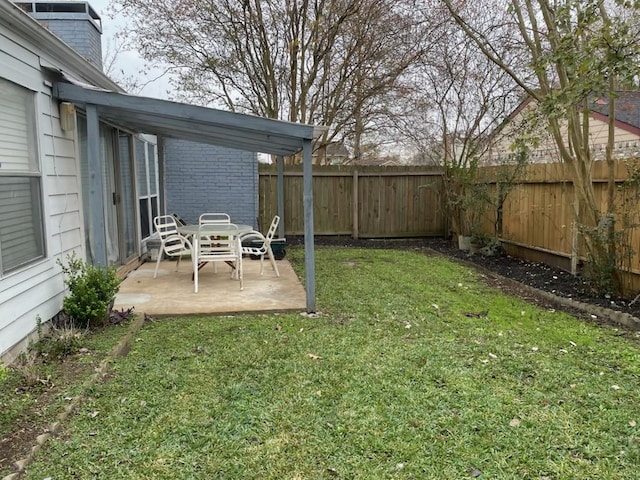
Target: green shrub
[
  {"x": 3, "y": 372},
  {"x": 91, "y": 292}
]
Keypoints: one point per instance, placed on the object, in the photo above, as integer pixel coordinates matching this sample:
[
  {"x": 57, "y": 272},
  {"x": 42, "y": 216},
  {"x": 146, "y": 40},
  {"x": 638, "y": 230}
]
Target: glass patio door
[
  {"x": 109, "y": 189},
  {"x": 116, "y": 163}
]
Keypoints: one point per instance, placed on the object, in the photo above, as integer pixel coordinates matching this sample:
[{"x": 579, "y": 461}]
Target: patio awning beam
[
  {"x": 192, "y": 122},
  {"x": 199, "y": 132}
]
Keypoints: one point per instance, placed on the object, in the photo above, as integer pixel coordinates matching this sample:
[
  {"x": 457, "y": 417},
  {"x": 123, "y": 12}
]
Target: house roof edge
[{"x": 56, "y": 52}]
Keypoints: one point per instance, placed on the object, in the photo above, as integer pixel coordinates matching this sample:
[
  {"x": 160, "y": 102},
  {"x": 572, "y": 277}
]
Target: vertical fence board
[
  {"x": 407, "y": 201},
  {"x": 388, "y": 201},
  {"x": 539, "y": 212}
]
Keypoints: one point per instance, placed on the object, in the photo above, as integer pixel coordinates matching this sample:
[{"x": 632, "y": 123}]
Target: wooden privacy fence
[
  {"x": 538, "y": 217},
  {"x": 362, "y": 202},
  {"x": 386, "y": 202}
]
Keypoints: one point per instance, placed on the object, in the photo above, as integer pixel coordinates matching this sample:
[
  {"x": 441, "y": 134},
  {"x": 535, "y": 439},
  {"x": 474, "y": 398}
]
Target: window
[
  {"x": 21, "y": 223},
  {"x": 147, "y": 167}
]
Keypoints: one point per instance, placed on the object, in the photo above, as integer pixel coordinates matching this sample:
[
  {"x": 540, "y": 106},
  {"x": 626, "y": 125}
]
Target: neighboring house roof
[
  {"x": 332, "y": 153},
  {"x": 627, "y": 126},
  {"x": 337, "y": 149},
  {"x": 627, "y": 108}
]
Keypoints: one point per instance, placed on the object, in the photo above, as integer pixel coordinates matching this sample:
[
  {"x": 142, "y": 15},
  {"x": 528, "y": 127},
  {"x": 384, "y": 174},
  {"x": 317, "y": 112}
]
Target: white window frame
[
  {"x": 22, "y": 238},
  {"x": 149, "y": 198}
]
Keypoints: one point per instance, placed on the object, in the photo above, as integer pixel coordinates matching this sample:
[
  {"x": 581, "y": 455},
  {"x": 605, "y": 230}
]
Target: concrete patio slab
[{"x": 171, "y": 293}]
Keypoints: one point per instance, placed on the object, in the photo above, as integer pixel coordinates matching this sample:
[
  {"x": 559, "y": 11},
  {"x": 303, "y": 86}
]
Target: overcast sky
[{"x": 130, "y": 61}]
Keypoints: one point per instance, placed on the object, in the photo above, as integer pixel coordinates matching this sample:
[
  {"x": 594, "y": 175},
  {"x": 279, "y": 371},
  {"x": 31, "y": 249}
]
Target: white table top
[{"x": 219, "y": 229}]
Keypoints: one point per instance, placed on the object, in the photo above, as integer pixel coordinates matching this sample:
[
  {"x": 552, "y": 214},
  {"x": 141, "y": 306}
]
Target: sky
[{"x": 130, "y": 62}]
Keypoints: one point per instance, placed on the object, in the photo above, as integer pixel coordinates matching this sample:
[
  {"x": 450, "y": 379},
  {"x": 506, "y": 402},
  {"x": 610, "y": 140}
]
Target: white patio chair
[
  {"x": 213, "y": 218},
  {"x": 172, "y": 244},
  {"x": 254, "y": 237},
  {"x": 223, "y": 249}
]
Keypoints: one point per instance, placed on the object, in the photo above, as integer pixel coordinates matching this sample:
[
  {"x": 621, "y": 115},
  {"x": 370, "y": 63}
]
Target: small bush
[
  {"x": 91, "y": 292},
  {"x": 3, "y": 372}
]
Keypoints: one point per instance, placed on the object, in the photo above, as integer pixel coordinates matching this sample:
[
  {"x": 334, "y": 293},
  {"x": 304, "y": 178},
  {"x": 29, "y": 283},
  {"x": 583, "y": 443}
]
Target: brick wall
[{"x": 206, "y": 178}]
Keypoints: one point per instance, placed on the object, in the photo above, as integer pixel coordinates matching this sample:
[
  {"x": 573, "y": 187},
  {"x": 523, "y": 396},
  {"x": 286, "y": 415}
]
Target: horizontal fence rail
[{"x": 362, "y": 202}]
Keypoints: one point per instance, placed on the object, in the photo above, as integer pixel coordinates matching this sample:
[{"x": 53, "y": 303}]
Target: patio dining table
[{"x": 214, "y": 230}]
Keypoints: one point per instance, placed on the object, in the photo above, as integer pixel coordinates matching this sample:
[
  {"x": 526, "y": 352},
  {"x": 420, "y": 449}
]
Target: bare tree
[
  {"x": 459, "y": 98},
  {"x": 327, "y": 62},
  {"x": 119, "y": 46}
]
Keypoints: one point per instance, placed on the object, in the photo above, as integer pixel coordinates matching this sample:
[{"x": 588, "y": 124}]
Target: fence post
[
  {"x": 354, "y": 202},
  {"x": 280, "y": 187}
]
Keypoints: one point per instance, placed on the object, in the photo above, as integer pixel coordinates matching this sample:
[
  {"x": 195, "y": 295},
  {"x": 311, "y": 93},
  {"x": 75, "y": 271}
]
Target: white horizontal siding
[
  {"x": 59, "y": 165},
  {"x": 599, "y": 133},
  {"x": 37, "y": 290},
  {"x": 61, "y": 184},
  {"x": 23, "y": 319},
  {"x": 41, "y": 276},
  {"x": 64, "y": 222},
  {"x": 63, "y": 203},
  {"x": 18, "y": 64}
]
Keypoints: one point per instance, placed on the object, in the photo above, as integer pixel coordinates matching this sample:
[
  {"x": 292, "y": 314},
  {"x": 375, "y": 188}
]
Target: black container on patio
[{"x": 277, "y": 247}]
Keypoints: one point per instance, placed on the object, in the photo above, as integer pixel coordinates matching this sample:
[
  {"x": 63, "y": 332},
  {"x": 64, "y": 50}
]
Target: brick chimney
[{"x": 75, "y": 23}]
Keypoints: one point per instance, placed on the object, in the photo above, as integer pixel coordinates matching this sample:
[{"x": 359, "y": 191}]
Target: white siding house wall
[{"x": 36, "y": 290}]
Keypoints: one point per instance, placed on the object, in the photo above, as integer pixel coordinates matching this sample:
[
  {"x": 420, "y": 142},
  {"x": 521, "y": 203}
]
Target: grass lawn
[{"x": 414, "y": 369}]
